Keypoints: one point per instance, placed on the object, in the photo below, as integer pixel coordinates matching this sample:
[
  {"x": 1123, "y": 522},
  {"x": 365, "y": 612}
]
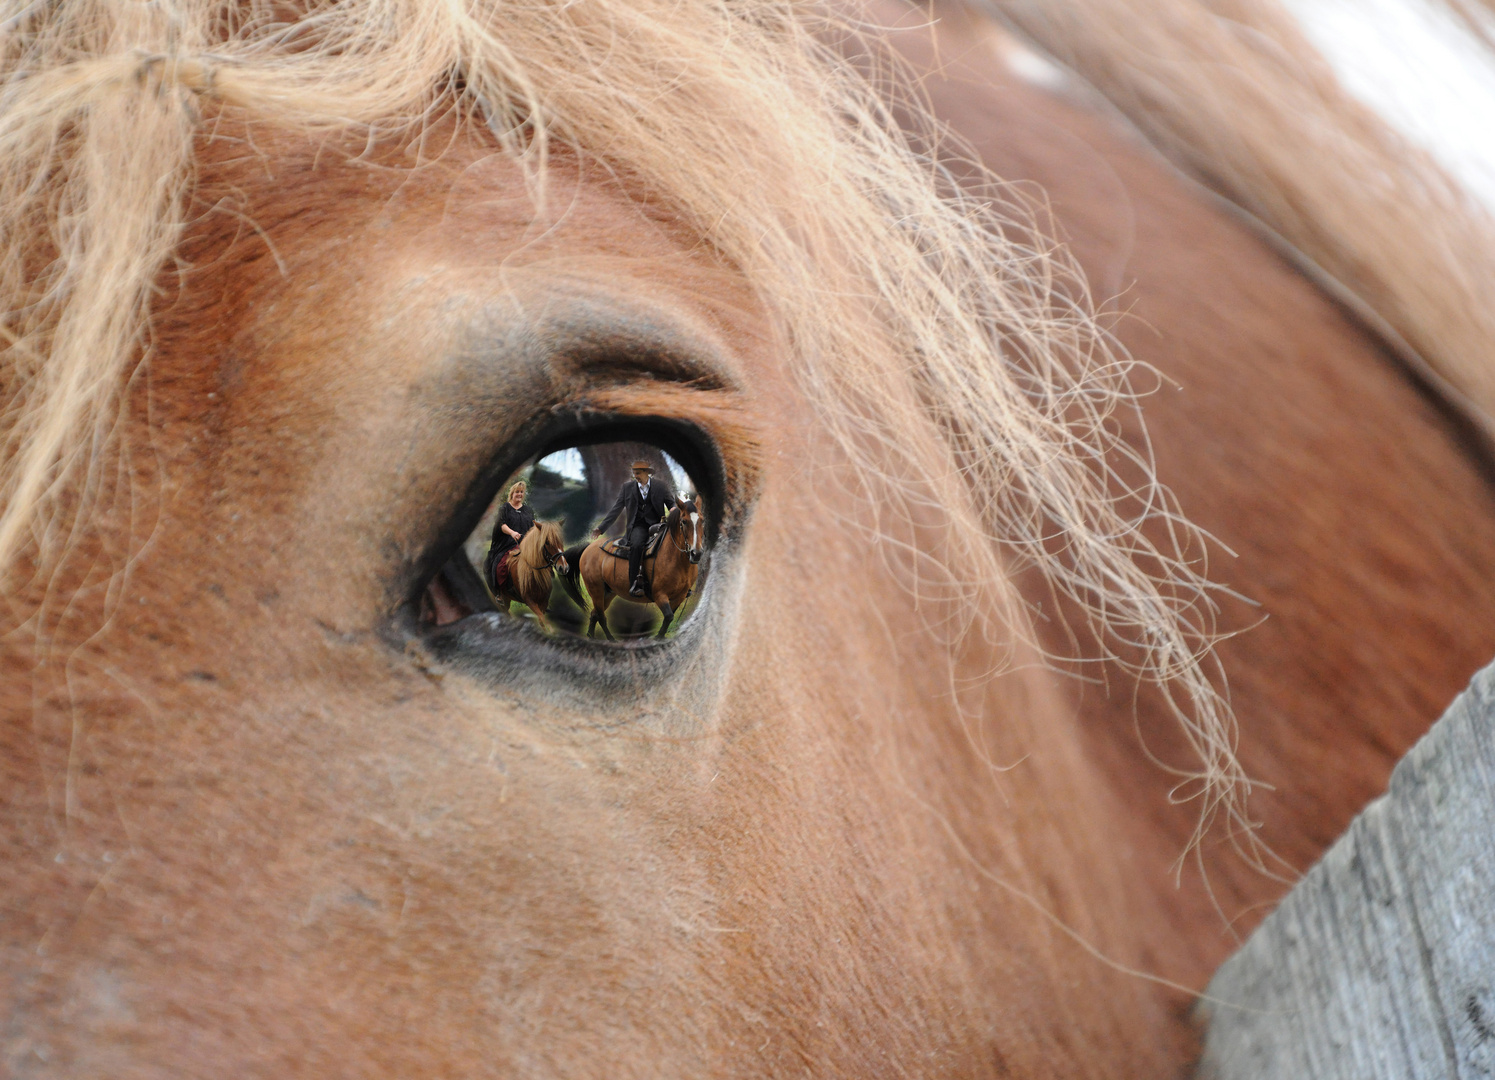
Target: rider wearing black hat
[{"x": 646, "y": 501}]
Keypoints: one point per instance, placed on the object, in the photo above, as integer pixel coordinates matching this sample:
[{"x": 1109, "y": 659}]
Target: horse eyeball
[{"x": 542, "y": 561}]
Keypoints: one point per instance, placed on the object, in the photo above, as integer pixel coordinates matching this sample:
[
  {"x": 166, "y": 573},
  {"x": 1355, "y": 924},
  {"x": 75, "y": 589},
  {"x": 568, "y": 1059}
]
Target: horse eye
[{"x": 602, "y": 540}]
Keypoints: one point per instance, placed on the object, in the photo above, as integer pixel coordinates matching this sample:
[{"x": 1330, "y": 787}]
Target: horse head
[
  {"x": 552, "y": 541},
  {"x": 692, "y": 527},
  {"x": 259, "y": 809},
  {"x": 444, "y": 857}
]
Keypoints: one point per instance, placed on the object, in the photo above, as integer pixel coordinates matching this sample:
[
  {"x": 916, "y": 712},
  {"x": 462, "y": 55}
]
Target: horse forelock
[
  {"x": 531, "y": 570},
  {"x": 931, "y": 344}
]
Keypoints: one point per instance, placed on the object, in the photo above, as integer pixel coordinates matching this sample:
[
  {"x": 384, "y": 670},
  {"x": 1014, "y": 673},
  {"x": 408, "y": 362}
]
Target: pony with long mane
[
  {"x": 286, "y": 289},
  {"x": 532, "y": 569}
]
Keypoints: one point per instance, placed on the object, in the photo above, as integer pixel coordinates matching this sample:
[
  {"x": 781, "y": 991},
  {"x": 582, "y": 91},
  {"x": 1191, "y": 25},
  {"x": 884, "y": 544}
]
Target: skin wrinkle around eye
[
  {"x": 514, "y": 381},
  {"x": 448, "y": 348},
  {"x": 443, "y": 325},
  {"x": 537, "y": 362}
]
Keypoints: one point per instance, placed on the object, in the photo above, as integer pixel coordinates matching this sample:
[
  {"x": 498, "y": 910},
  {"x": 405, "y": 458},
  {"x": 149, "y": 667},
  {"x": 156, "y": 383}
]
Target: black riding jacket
[{"x": 641, "y": 510}]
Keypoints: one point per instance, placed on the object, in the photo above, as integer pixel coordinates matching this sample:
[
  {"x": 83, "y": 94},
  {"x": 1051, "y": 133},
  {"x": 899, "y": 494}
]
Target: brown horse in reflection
[
  {"x": 671, "y": 571},
  {"x": 281, "y": 299},
  {"x": 531, "y": 568}
]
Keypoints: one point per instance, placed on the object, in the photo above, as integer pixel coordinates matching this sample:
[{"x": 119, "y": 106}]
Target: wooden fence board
[{"x": 1380, "y": 963}]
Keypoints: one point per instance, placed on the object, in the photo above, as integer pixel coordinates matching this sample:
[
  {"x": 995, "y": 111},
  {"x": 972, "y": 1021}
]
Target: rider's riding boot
[{"x": 637, "y": 588}]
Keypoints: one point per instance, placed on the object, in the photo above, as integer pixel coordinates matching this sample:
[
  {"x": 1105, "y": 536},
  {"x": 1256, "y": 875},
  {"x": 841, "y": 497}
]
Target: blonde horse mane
[
  {"x": 530, "y": 574},
  {"x": 936, "y": 346}
]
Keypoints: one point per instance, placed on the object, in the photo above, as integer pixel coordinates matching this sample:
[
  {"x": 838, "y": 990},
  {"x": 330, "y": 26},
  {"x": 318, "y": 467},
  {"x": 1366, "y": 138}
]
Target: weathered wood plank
[{"x": 1381, "y": 961}]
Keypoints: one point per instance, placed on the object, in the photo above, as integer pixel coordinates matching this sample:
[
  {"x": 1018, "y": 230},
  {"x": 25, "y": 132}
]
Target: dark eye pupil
[{"x": 542, "y": 561}]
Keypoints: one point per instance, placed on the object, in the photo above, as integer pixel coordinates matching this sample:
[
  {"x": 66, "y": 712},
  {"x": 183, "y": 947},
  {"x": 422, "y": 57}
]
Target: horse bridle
[
  {"x": 668, "y": 532},
  {"x": 548, "y": 564}
]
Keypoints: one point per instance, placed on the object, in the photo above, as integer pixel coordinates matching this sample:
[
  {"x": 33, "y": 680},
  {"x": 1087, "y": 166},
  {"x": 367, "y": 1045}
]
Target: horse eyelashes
[{"x": 560, "y": 544}]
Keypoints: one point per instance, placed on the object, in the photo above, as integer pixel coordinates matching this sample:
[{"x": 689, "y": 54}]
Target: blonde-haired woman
[{"x": 514, "y": 520}]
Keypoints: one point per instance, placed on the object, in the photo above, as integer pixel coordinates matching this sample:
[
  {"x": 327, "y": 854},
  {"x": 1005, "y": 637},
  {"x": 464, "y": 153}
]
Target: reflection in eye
[{"x": 599, "y": 540}]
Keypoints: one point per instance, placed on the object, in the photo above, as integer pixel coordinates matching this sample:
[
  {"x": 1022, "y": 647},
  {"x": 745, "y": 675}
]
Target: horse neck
[
  {"x": 669, "y": 544},
  {"x": 532, "y": 577}
]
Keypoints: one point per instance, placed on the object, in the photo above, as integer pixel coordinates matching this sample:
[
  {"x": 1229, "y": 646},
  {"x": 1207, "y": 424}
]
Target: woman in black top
[{"x": 514, "y": 520}]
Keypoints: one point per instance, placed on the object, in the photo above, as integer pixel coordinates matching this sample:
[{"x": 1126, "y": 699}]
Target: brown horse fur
[
  {"x": 531, "y": 570},
  {"x": 1234, "y": 92},
  {"x": 247, "y": 823},
  {"x": 671, "y": 571},
  {"x": 1271, "y": 421}
]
